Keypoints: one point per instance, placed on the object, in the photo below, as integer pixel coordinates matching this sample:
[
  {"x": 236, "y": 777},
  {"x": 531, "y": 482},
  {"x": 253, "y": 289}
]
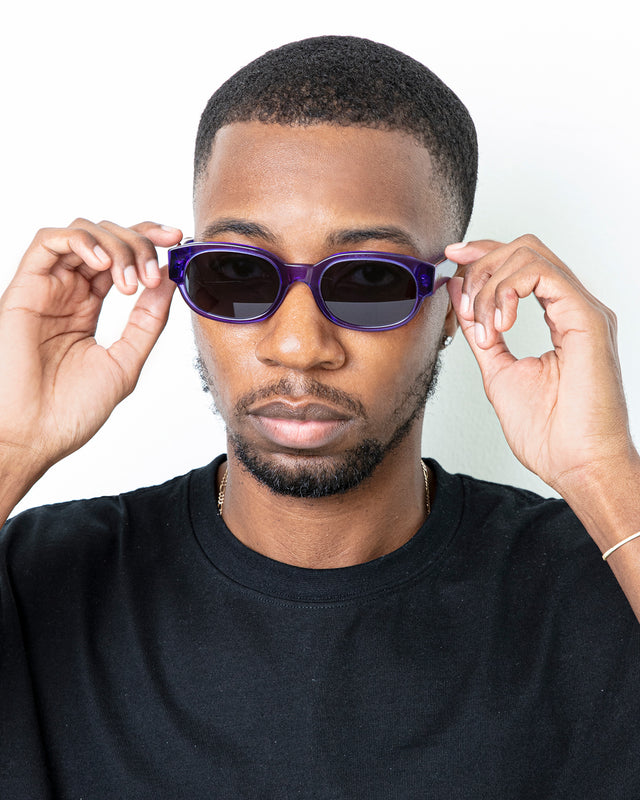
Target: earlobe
[{"x": 450, "y": 326}]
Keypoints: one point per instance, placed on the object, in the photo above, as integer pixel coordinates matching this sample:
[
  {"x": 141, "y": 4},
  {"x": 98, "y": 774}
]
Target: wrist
[
  {"x": 606, "y": 498},
  {"x": 19, "y": 470}
]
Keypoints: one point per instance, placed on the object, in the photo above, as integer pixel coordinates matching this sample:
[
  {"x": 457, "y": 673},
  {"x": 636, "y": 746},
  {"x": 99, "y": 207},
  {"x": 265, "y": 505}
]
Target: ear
[
  {"x": 450, "y": 322},
  {"x": 451, "y": 319}
]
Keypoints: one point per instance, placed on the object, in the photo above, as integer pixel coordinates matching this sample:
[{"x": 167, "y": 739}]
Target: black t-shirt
[{"x": 147, "y": 653}]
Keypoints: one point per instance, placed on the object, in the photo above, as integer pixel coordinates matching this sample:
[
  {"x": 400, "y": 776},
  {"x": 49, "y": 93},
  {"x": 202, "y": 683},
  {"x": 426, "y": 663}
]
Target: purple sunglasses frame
[{"x": 428, "y": 277}]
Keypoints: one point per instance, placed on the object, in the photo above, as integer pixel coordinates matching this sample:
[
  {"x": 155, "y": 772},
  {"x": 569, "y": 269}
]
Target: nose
[{"x": 298, "y": 336}]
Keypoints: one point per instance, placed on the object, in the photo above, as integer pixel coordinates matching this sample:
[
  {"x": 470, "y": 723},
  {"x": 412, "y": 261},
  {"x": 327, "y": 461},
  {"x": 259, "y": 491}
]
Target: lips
[
  {"x": 304, "y": 412},
  {"x": 299, "y": 425}
]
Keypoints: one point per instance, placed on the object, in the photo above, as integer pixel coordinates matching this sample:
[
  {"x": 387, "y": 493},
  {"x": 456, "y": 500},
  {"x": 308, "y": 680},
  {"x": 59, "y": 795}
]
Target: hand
[
  {"x": 57, "y": 385},
  {"x": 563, "y": 414}
]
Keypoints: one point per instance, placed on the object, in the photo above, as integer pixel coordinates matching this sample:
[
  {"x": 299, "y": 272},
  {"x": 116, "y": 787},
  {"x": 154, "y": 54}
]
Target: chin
[{"x": 310, "y": 477}]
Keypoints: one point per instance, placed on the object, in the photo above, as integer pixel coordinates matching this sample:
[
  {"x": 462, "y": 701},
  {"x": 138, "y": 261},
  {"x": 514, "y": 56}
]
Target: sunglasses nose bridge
[{"x": 299, "y": 272}]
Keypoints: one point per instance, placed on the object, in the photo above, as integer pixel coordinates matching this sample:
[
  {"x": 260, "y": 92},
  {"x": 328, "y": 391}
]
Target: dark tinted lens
[
  {"x": 371, "y": 294},
  {"x": 231, "y": 285}
]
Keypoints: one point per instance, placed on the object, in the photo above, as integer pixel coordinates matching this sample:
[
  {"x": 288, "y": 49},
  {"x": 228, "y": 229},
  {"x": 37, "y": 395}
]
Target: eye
[
  {"x": 377, "y": 276},
  {"x": 373, "y": 274},
  {"x": 238, "y": 268}
]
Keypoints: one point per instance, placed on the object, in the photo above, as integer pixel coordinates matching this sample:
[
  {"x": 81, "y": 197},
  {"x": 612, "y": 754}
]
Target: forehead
[{"x": 312, "y": 179}]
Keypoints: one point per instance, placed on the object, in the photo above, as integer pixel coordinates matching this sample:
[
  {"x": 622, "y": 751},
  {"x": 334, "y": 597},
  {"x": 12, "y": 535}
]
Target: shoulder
[
  {"x": 485, "y": 505},
  {"x": 68, "y": 531},
  {"x": 513, "y": 531},
  {"x": 531, "y": 552}
]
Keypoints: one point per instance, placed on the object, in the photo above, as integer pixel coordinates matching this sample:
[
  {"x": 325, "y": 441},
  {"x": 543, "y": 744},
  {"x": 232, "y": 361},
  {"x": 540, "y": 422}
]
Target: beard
[{"x": 313, "y": 477}]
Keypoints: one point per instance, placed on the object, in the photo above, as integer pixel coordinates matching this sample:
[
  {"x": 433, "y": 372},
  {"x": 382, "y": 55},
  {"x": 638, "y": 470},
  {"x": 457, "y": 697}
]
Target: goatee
[{"x": 322, "y": 476}]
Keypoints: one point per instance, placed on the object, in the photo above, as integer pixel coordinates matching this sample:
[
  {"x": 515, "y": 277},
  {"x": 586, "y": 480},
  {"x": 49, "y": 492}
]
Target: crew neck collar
[{"x": 276, "y": 579}]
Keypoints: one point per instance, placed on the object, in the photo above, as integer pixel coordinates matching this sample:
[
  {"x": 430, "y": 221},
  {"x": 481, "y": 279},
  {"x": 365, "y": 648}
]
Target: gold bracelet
[{"x": 633, "y": 536}]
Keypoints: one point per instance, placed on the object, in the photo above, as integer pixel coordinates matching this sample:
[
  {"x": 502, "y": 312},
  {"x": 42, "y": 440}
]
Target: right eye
[{"x": 231, "y": 285}]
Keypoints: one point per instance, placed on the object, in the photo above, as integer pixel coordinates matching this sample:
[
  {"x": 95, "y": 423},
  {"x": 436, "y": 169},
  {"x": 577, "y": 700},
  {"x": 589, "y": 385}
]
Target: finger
[
  {"x": 498, "y": 259},
  {"x": 144, "y": 326},
  {"x": 468, "y": 252},
  {"x": 160, "y": 235},
  {"x": 491, "y": 359},
  {"x": 509, "y": 256},
  {"x": 526, "y": 272},
  {"x": 124, "y": 269},
  {"x": 141, "y": 259},
  {"x": 493, "y": 251},
  {"x": 494, "y": 300},
  {"x": 71, "y": 247},
  {"x": 142, "y": 239}
]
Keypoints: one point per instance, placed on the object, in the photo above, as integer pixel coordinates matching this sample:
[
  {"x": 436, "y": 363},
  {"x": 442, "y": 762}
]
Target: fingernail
[
  {"x": 101, "y": 254},
  {"x": 130, "y": 276},
  {"x": 151, "y": 268},
  {"x": 456, "y": 246},
  {"x": 497, "y": 319},
  {"x": 169, "y": 229},
  {"x": 464, "y": 303},
  {"x": 480, "y": 333}
]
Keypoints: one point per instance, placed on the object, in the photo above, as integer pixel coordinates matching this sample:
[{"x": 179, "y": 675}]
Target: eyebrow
[
  {"x": 243, "y": 227},
  {"x": 390, "y": 233},
  {"x": 336, "y": 240}
]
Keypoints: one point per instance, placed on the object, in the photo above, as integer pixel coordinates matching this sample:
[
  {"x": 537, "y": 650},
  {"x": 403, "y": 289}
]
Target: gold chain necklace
[{"x": 223, "y": 486}]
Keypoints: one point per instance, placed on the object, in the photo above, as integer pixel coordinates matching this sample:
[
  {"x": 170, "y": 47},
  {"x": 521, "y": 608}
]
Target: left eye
[{"x": 371, "y": 274}]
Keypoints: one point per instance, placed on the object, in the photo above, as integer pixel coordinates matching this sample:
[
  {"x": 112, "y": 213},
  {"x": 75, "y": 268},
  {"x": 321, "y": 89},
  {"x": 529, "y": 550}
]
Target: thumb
[{"x": 144, "y": 326}]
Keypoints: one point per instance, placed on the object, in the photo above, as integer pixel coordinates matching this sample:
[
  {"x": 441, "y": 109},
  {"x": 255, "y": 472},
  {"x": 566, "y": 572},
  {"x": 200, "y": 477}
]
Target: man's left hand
[{"x": 563, "y": 413}]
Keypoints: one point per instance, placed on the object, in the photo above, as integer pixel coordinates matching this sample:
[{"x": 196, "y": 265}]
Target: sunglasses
[{"x": 361, "y": 290}]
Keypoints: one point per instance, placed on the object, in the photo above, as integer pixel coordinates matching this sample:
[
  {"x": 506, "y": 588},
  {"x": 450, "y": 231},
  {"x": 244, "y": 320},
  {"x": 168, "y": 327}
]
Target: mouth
[{"x": 299, "y": 425}]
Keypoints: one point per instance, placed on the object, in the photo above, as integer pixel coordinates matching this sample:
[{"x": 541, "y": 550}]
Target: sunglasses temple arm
[{"x": 444, "y": 270}]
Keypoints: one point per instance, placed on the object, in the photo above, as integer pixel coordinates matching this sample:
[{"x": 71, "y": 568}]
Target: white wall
[{"x": 99, "y": 110}]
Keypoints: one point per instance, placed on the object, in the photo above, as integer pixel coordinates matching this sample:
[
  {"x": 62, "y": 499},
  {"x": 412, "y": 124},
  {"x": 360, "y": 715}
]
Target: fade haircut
[{"x": 344, "y": 80}]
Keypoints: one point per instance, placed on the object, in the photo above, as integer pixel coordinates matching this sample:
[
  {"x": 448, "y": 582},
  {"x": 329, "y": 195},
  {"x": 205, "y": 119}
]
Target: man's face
[{"x": 311, "y": 408}]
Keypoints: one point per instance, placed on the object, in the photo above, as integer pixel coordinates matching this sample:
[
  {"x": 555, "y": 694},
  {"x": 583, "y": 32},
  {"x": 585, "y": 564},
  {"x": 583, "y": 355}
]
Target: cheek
[
  {"x": 226, "y": 354},
  {"x": 413, "y": 350}
]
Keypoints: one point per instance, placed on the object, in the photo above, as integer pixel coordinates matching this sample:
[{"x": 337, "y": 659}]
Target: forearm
[
  {"x": 18, "y": 473},
  {"x": 607, "y": 502}
]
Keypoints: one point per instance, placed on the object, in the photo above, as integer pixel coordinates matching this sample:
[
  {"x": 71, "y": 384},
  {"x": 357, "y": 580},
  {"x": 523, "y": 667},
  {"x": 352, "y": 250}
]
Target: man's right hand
[{"x": 57, "y": 385}]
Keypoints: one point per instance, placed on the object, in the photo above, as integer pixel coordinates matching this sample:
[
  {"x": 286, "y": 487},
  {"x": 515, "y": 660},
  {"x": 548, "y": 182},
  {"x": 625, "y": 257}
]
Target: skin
[
  {"x": 305, "y": 213},
  {"x": 563, "y": 413}
]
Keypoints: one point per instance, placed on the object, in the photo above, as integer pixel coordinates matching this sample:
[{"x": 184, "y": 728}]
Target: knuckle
[
  {"x": 477, "y": 279},
  {"x": 529, "y": 240},
  {"x": 525, "y": 252},
  {"x": 81, "y": 236},
  {"x": 503, "y": 291},
  {"x": 612, "y": 319},
  {"x": 599, "y": 318},
  {"x": 145, "y": 225},
  {"x": 482, "y": 304},
  {"x": 145, "y": 245},
  {"x": 80, "y": 222},
  {"x": 123, "y": 251},
  {"x": 43, "y": 234}
]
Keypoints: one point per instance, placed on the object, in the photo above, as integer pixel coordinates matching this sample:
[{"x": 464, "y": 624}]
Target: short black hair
[{"x": 346, "y": 80}]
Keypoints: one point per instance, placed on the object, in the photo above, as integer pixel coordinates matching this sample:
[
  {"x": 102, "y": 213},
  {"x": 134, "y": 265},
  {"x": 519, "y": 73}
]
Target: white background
[{"x": 99, "y": 108}]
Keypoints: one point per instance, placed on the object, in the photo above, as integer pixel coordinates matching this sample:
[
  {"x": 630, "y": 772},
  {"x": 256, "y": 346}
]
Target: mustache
[{"x": 309, "y": 387}]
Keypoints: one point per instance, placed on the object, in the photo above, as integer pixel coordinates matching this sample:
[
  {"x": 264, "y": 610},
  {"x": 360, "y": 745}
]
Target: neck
[{"x": 375, "y": 518}]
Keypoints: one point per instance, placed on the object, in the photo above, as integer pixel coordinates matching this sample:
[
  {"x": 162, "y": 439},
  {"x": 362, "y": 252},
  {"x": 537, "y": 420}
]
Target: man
[{"x": 320, "y": 613}]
